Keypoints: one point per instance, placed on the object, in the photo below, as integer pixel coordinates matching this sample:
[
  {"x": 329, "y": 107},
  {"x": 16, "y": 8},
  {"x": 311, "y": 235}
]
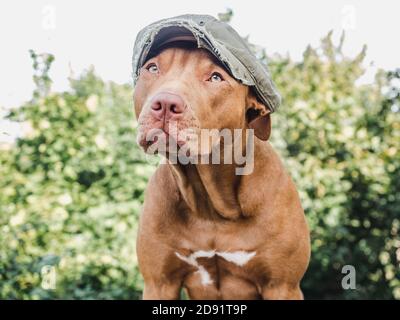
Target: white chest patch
[{"x": 240, "y": 258}]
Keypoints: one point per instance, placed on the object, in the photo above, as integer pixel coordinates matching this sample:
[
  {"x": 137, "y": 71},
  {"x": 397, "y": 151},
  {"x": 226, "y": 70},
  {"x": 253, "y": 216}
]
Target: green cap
[{"x": 217, "y": 37}]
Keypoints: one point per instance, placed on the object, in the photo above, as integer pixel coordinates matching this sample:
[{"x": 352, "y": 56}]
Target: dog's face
[{"x": 182, "y": 90}]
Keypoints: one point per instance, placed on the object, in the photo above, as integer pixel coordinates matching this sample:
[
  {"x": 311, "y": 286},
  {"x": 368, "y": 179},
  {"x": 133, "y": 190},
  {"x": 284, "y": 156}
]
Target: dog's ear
[{"x": 258, "y": 117}]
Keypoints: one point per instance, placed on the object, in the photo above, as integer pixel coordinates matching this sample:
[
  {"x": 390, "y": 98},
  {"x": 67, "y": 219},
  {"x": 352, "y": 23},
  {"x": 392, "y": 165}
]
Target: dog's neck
[{"x": 211, "y": 189}]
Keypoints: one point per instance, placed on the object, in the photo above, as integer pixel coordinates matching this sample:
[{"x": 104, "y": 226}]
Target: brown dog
[{"x": 204, "y": 228}]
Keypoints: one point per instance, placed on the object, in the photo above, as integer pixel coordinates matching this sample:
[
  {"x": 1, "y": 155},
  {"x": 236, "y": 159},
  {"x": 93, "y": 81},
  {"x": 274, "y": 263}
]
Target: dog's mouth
[{"x": 156, "y": 141}]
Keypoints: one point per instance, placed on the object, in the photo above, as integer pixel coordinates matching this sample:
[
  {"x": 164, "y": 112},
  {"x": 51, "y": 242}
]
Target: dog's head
[{"x": 182, "y": 89}]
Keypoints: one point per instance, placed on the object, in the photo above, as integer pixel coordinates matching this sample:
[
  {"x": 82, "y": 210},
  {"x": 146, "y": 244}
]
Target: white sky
[{"x": 101, "y": 33}]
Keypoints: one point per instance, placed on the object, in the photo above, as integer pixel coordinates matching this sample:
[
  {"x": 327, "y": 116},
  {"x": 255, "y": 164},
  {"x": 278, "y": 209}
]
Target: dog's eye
[
  {"x": 216, "y": 77},
  {"x": 152, "y": 68}
]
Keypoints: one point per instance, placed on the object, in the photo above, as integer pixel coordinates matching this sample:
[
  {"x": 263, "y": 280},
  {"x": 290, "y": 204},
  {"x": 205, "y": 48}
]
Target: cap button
[{"x": 201, "y": 23}]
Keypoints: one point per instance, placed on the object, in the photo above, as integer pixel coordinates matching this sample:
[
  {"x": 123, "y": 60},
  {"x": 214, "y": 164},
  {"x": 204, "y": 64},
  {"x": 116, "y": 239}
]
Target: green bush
[
  {"x": 70, "y": 193},
  {"x": 72, "y": 185},
  {"x": 341, "y": 143}
]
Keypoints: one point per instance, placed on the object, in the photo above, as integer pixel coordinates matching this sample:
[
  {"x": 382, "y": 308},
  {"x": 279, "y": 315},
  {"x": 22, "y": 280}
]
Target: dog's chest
[
  {"x": 205, "y": 263},
  {"x": 215, "y": 273},
  {"x": 214, "y": 254}
]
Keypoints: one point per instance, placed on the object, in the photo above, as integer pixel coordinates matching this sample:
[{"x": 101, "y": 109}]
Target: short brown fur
[{"x": 208, "y": 207}]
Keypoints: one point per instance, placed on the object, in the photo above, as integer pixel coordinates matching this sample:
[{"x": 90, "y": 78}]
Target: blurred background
[{"x": 72, "y": 177}]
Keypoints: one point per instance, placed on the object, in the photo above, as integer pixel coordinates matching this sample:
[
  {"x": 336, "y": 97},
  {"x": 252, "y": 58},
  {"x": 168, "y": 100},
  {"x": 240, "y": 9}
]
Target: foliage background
[{"x": 72, "y": 185}]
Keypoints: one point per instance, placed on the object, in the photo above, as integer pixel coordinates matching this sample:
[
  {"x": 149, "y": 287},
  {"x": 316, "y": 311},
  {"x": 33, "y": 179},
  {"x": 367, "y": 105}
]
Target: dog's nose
[{"x": 168, "y": 105}]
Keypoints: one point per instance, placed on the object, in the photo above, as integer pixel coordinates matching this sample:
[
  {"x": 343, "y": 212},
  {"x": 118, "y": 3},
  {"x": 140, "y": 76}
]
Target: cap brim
[{"x": 172, "y": 34}]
